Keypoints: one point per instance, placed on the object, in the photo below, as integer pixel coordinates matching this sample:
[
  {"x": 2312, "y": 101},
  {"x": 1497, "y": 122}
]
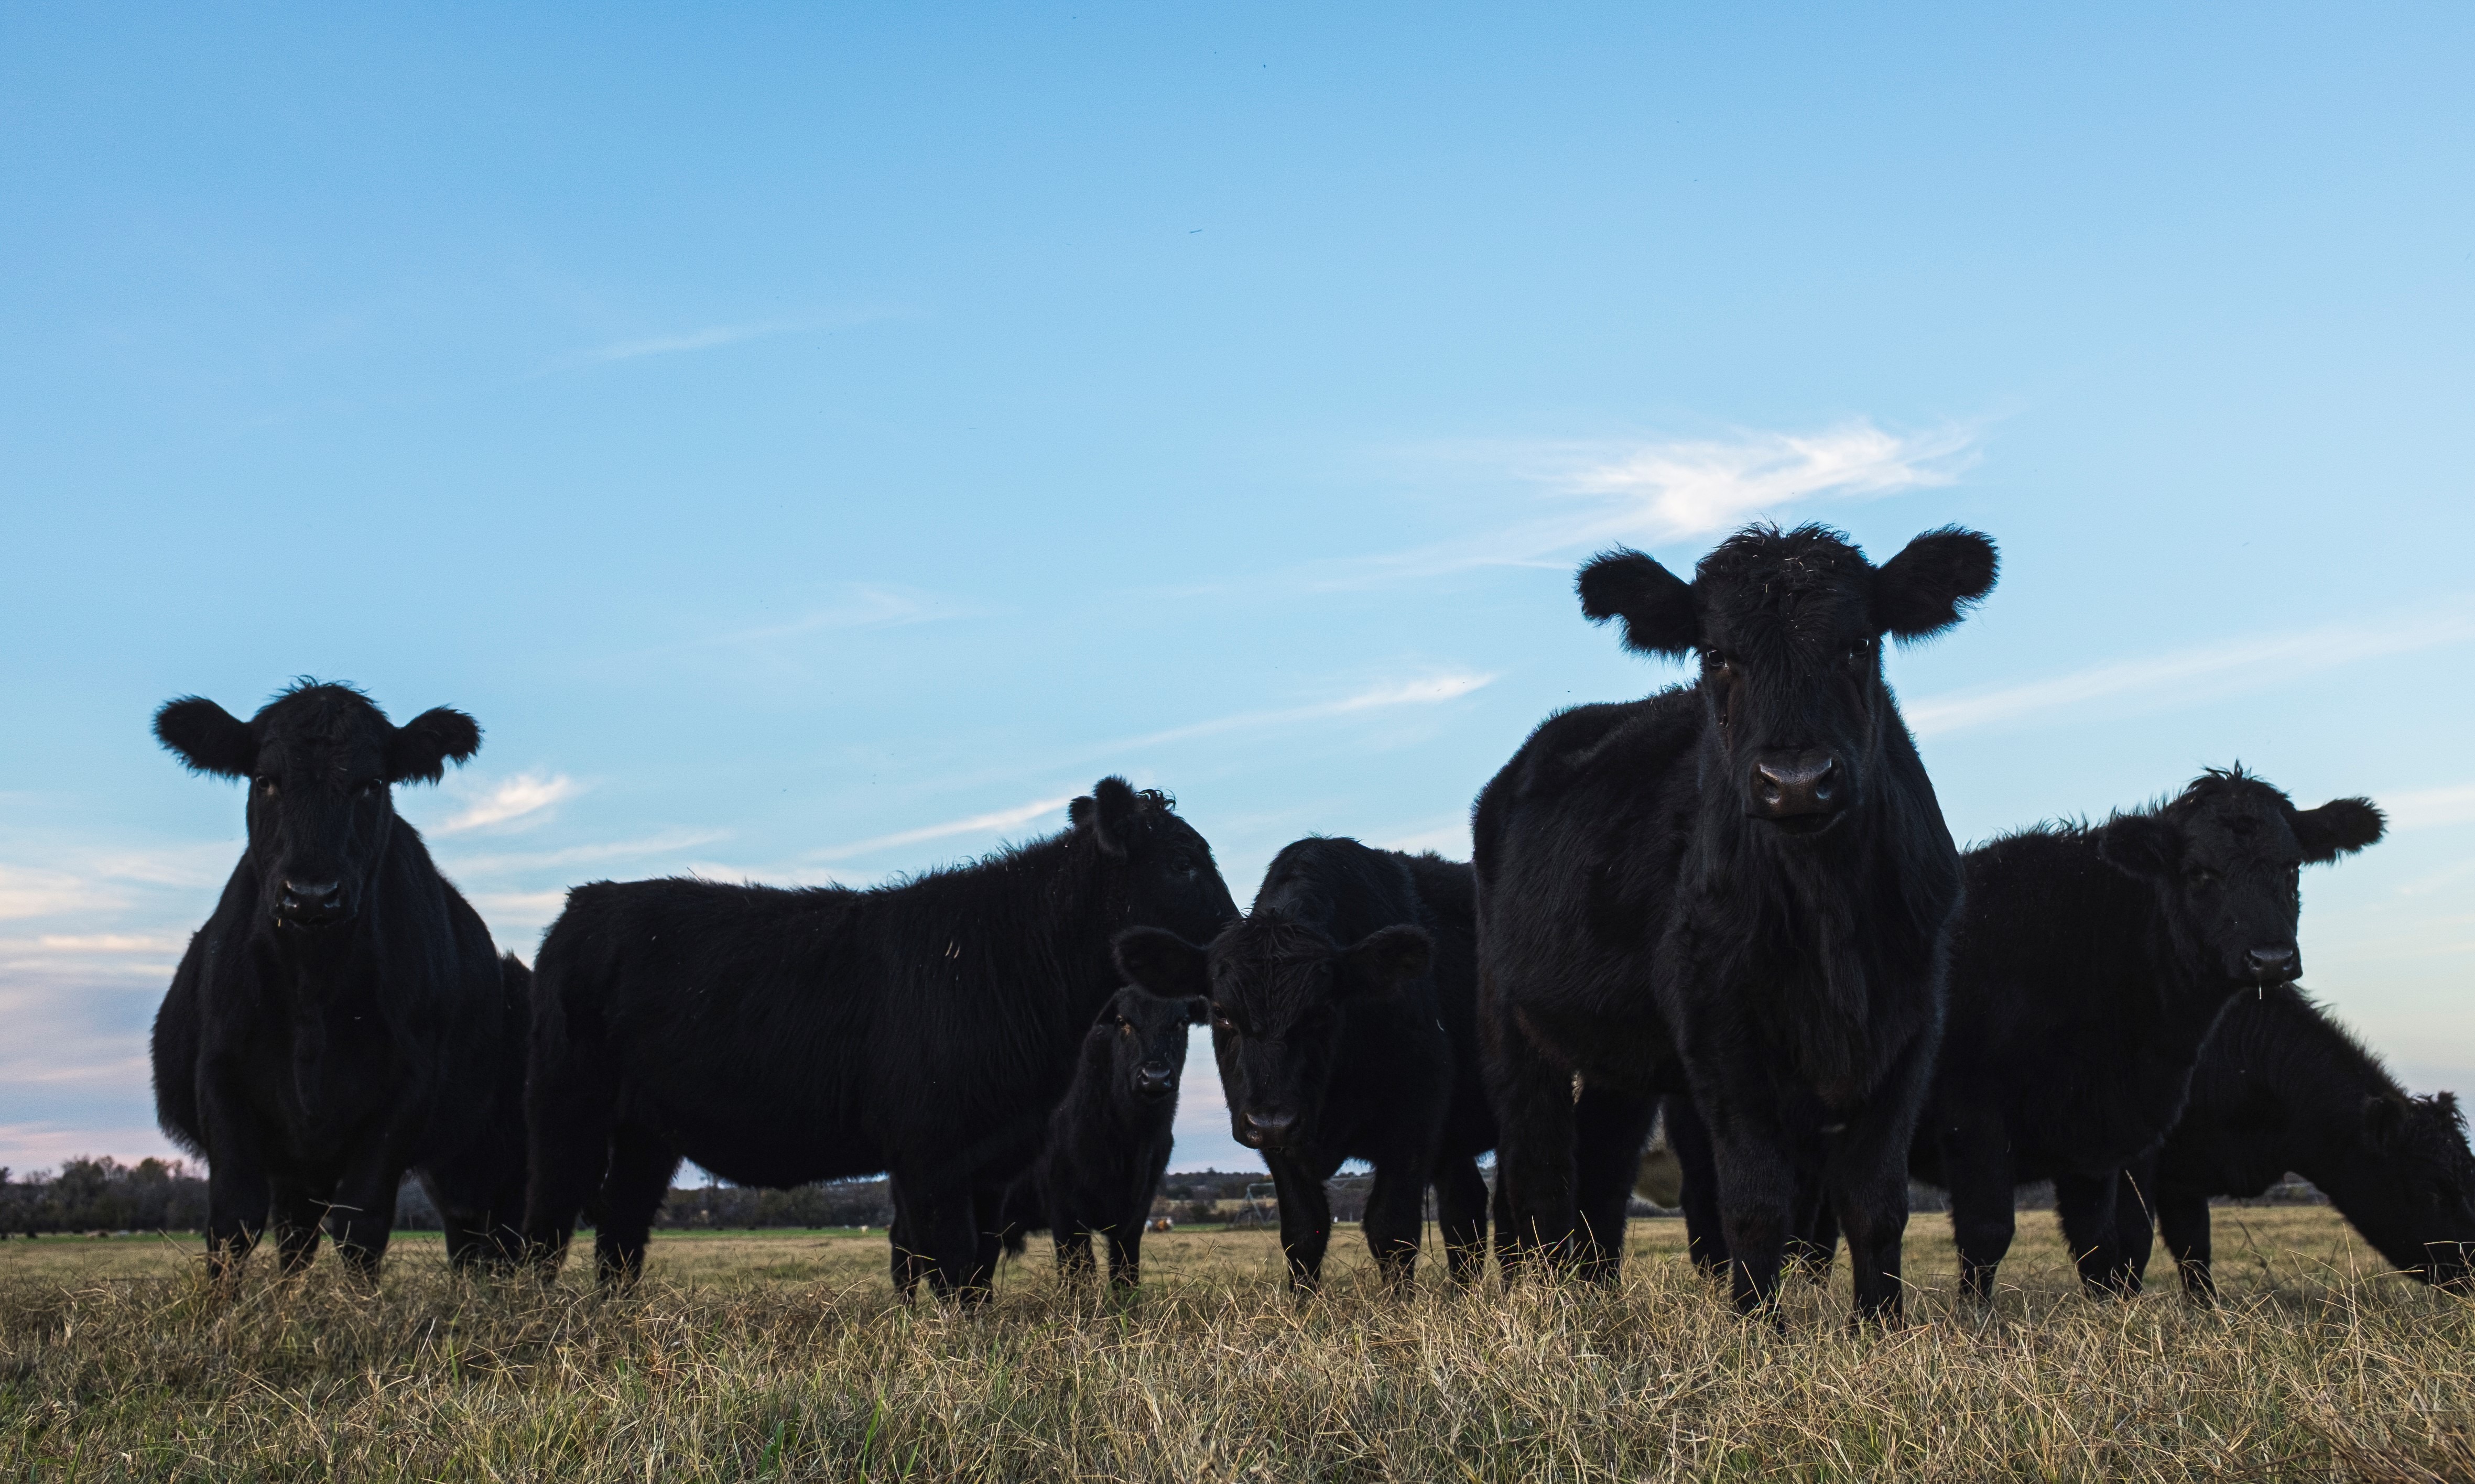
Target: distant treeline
[{"x": 165, "y": 1195}]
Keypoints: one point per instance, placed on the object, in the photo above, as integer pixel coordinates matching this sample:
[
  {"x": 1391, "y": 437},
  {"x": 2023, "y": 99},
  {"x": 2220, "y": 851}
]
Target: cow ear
[
  {"x": 1656, "y": 604},
  {"x": 1385, "y": 960},
  {"x": 1933, "y": 581},
  {"x": 421, "y": 748},
  {"x": 2141, "y": 845},
  {"x": 2337, "y": 828},
  {"x": 207, "y": 738},
  {"x": 1108, "y": 811},
  {"x": 2384, "y": 1119},
  {"x": 1198, "y": 1010},
  {"x": 1162, "y": 962}
]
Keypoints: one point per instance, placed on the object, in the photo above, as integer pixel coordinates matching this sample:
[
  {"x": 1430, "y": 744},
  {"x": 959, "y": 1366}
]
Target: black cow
[
  {"x": 1110, "y": 1140},
  {"x": 2090, "y": 967},
  {"x": 2280, "y": 1087},
  {"x": 1741, "y": 886},
  {"x": 1344, "y": 1022},
  {"x": 342, "y": 1017},
  {"x": 782, "y": 1037}
]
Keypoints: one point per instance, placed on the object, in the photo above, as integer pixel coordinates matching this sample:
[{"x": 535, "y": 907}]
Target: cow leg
[
  {"x": 362, "y": 1216},
  {"x": 1125, "y": 1255},
  {"x": 1865, "y": 1183},
  {"x": 1395, "y": 1220},
  {"x": 293, "y": 1215},
  {"x": 939, "y": 1221},
  {"x": 1688, "y": 1139},
  {"x": 1305, "y": 1220},
  {"x": 2086, "y": 1205},
  {"x": 633, "y": 1193},
  {"x": 1819, "y": 1244},
  {"x": 2183, "y": 1220},
  {"x": 1533, "y": 1156},
  {"x": 1608, "y": 1131},
  {"x": 1977, "y": 1162},
  {"x": 1460, "y": 1210},
  {"x": 1076, "y": 1263},
  {"x": 987, "y": 1217},
  {"x": 2133, "y": 1221},
  {"x": 571, "y": 1113},
  {"x": 238, "y": 1192},
  {"x": 1757, "y": 1193}
]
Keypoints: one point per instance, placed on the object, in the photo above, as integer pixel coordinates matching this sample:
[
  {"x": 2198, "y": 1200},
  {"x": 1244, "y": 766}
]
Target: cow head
[
  {"x": 1155, "y": 870},
  {"x": 1145, "y": 1036},
  {"x": 321, "y": 760},
  {"x": 2410, "y": 1185},
  {"x": 1789, "y": 627},
  {"x": 2226, "y": 859},
  {"x": 1278, "y": 990}
]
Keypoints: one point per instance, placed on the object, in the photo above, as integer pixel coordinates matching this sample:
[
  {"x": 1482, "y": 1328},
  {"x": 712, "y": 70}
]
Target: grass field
[{"x": 784, "y": 1355}]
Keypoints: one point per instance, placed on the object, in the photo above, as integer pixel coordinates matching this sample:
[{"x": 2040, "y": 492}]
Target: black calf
[
  {"x": 342, "y": 1017},
  {"x": 2090, "y": 967},
  {"x": 2280, "y": 1087},
  {"x": 778, "y": 1037},
  {"x": 1743, "y": 886},
  {"x": 1343, "y": 1020},
  {"x": 1108, "y": 1141}
]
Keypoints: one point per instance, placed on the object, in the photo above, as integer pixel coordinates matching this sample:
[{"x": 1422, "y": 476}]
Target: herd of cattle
[{"x": 1734, "y": 902}]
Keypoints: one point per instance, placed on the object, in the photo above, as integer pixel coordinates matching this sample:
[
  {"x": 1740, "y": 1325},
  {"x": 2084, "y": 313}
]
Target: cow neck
[{"x": 2320, "y": 1081}]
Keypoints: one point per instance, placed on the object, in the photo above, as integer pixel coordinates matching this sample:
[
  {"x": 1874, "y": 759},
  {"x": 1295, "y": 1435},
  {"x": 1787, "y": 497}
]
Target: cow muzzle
[
  {"x": 312, "y": 904},
  {"x": 1799, "y": 792},
  {"x": 1153, "y": 1082},
  {"x": 1269, "y": 1130},
  {"x": 2273, "y": 965}
]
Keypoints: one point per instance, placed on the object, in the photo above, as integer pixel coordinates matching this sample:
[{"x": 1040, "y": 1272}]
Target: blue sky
[{"x": 817, "y": 442}]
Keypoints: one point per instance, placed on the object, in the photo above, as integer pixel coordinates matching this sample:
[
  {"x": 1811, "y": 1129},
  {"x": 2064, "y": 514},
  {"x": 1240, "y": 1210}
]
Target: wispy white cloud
[
  {"x": 508, "y": 862},
  {"x": 2418, "y": 809},
  {"x": 109, "y": 942},
  {"x": 27, "y": 1147},
  {"x": 1694, "y": 487},
  {"x": 976, "y": 824},
  {"x": 1423, "y": 691},
  {"x": 1591, "y": 494},
  {"x": 2200, "y": 672},
  {"x": 522, "y": 797},
  {"x": 709, "y": 338},
  {"x": 1417, "y": 690},
  {"x": 39, "y": 893}
]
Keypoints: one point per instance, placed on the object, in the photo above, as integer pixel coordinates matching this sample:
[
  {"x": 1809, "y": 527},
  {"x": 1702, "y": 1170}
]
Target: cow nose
[
  {"x": 2269, "y": 963},
  {"x": 311, "y": 901},
  {"x": 1154, "y": 1081},
  {"x": 1787, "y": 788},
  {"x": 1272, "y": 1128}
]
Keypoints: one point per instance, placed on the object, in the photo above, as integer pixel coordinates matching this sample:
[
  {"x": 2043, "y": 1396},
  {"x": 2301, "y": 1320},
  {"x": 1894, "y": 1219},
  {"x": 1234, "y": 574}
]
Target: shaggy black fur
[
  {"x": 1110, "y": 1140},
  {"x": 1743, "y": 885},
  {"x": 1344, "y": 1020},
  {"x": 342, "y": 1017},
  {"x": 2281, "y": 1086},
  {"x": 2090, "y": 966},
  {"x": 782, "y": 1037}
]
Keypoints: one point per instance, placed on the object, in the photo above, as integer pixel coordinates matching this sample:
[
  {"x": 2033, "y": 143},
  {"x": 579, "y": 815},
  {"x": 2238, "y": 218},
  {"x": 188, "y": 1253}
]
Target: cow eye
[
  {"x": 1714, "y": 660},
  {"x": 267, "y": 787},
  {"x": 370, "y": 789}
]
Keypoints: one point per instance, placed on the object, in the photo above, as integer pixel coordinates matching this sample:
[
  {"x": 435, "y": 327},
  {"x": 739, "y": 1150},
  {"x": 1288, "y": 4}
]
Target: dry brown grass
[{"x": 785, "y": 1356}]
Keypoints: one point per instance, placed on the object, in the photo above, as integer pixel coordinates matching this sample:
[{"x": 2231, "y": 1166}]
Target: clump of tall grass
[{"x": 2310, "y": 1369}]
